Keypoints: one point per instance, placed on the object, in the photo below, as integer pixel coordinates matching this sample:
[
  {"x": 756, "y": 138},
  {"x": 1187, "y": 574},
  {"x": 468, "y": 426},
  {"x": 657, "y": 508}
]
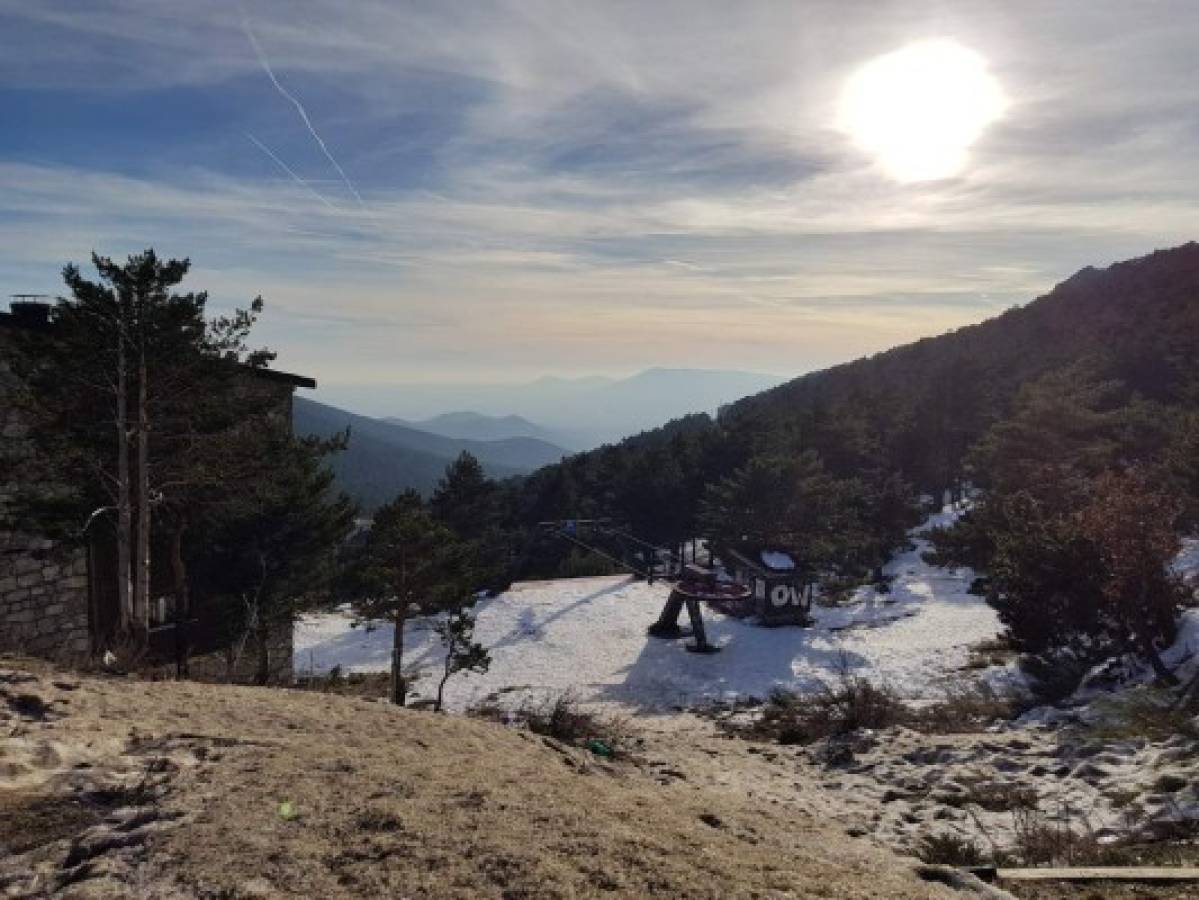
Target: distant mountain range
[
  {"x": 386, "y": 457},
  {"x": 578, "y": 413},
  {"x": 475, "y": 426}
]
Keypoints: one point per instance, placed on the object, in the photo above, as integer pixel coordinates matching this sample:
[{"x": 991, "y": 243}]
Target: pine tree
[
  {"x": 273, "y": 551},
  {"x": 465, "y": 498},
  {"x": 121, "y": 393},
  {"x": 462, "y": 652},
  {"x": 405, "y": 563},
  {"x": 468, "y": 503}
]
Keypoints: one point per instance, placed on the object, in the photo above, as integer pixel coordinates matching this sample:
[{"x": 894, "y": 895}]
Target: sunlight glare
[{"x": 918, "y": 109}]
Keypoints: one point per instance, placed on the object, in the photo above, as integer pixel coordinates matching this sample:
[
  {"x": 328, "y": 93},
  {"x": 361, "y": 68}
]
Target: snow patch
[
  {"x": 774, "y": 559},
  {"x": 588, "y": 635}
]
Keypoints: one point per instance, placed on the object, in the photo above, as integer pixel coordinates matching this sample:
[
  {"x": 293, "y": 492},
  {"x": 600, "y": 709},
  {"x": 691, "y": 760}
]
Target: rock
[
  {"x": 960, "y": 880},
  {"x": 96, "y": 841},
  {"x": 1004, "y": 764},
  {"x": 1090, "y": 772},
  {"x": 1170, "y": 783},
  {"x": 257, "y": 887},
  {"x": 1181, "y": 754}
]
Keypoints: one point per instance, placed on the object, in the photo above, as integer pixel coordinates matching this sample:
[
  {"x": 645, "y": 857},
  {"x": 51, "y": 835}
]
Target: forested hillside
[
  {"x": 831, "y": 464},
  {"x": 920, "y": 407},
  {"x": 385, "y": 458}
]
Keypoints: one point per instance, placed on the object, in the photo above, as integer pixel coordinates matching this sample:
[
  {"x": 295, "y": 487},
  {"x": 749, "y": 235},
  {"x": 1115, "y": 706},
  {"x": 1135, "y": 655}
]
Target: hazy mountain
[
  {"x": 385, "y": 458},
  {"x": 479, "y": 427},
  {"x": 578, "y": 412}
]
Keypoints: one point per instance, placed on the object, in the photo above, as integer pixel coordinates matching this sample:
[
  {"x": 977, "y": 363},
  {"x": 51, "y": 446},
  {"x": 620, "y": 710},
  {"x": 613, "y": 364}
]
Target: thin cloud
[
  {"x": 266, "y": 66},
  {"x": 651, "y": 172},
  {"x": 288, "y": 171}
]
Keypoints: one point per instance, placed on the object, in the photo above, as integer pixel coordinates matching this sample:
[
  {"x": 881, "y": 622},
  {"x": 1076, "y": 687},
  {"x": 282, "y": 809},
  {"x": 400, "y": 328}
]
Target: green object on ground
[
  {"x": 599, "y": 748},
  {"x": 287, "y": 811}
]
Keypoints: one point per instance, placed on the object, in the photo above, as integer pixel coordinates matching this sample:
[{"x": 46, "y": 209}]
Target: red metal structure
[
  {"x": 696, "y": 585},
  {"x": 693, "y": 584}
]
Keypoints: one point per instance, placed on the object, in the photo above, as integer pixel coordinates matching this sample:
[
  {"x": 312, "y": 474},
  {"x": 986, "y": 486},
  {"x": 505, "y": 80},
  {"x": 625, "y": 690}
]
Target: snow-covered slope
[{"x": 588, "y": 635}]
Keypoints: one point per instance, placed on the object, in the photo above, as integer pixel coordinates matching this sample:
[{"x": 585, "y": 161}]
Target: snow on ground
[
  {"x": 588, "y": 635},
  {"x": 1186, "y": 563}
]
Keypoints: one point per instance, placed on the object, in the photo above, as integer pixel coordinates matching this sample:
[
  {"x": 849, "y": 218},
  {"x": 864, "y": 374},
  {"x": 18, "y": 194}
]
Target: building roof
[
  {"x": 750, "y": 558},
  {"x": 287, "y": 377}
]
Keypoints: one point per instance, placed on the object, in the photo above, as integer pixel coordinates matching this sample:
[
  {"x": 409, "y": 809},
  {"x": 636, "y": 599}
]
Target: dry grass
[
  {"x": 369, "y": 685},
  {"x": 1054, "y": 838},
  {"x": 997, "y": 651},
  {"x": 965, "y": 709},
  {"x": 562, "y": 718},
  {"x": 853, "y": 703},
  {"x": 302, "y": 794},
  {"x": 947, "y": 849},
  {"x": 996, "y": 797}
]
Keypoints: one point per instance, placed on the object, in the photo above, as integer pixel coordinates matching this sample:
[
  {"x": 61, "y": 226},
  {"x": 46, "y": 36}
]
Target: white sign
[{"x": 784, "y": 595}]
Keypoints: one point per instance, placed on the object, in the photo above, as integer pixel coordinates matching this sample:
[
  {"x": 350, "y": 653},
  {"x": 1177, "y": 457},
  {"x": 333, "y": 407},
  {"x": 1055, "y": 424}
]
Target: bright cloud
[{"x": 591, "y": 187}]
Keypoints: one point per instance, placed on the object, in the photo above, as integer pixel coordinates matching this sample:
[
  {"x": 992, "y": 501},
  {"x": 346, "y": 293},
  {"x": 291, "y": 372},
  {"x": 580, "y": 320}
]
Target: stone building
[{"x": 59, "y": 601}]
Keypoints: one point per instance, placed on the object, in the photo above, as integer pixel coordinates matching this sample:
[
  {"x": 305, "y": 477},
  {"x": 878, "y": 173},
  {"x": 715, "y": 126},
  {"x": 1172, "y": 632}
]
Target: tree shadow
[
  {"x": 530, "y": 627},
  {"x": 752, "y": 661}
]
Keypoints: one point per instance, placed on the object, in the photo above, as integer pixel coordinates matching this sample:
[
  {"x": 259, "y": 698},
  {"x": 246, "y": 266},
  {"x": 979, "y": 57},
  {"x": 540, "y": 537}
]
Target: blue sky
[{"x": 569, "y": 188}]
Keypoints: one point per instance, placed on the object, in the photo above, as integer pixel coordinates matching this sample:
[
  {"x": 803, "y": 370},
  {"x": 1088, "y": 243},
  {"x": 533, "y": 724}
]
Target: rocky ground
[
  {"x": 992, "y": 789},
  {"x": 113, "y": 787},
  {"x": 902, "y": 785}
]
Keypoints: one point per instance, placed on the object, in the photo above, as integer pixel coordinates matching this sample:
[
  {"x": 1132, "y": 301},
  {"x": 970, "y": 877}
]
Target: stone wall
[
  {"x": 43, "y": 588},
  {"x": 43, "y": 599}
]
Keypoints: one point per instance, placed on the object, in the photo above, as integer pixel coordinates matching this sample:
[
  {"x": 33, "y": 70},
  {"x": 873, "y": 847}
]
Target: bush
[
  {"x": 993, "y": 652},
  {"x": 850, "y": 704},
  {"x": 374, "y": 685},
  {"x": 1042, "y": 841},
  {"x": 966, "y": 709},
  {"x": 1001, "y": 797},
  {"x": 949, "y": 850},
  {"x": 1055, "y": 675},
  {"x": 562, "y": 718},
  {"x": 585, "y": 565}
]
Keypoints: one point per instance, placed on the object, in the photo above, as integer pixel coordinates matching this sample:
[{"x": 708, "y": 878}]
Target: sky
[{"x": 491, "y": 192}]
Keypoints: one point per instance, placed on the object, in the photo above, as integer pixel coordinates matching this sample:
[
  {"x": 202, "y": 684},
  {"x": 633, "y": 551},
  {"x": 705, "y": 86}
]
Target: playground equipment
[
  {"x": 612, "y": 541},
  {"x": 693, "y": 584},
  {"x": 782, "y": 592}
]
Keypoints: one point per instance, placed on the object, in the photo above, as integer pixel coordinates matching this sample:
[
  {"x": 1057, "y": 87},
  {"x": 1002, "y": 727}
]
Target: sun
[{"x": 918, "y": 109}]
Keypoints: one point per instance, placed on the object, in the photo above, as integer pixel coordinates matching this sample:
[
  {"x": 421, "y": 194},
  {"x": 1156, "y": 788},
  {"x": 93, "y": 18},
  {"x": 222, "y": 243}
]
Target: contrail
[
  {"x": 287, "y": 169},
  {"x": 300, "y": 109}
]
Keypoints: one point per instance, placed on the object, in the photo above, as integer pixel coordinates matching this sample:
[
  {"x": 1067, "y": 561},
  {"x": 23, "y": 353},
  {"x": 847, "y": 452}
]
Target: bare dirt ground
[{"x": 114, "y": 787}]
